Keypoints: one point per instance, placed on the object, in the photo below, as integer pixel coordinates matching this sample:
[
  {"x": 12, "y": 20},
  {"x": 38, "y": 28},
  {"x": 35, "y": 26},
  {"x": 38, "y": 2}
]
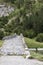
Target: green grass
[
  {"x": 1, "y": 42},
  {"x": 31, "y": 43},
  {"x": 37, "y": 55}
]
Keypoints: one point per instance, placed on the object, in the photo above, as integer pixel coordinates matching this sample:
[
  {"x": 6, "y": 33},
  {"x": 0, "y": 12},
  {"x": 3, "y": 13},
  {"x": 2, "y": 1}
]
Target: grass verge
[
  {"x": 37, "y": 55},
  {"x": 31, "y": 43},
  {"x": 1, "y": 42}
]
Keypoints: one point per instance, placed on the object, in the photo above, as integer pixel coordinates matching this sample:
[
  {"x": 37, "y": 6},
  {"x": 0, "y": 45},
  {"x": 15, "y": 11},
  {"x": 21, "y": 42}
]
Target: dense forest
[{"x": 27, "y": 18}]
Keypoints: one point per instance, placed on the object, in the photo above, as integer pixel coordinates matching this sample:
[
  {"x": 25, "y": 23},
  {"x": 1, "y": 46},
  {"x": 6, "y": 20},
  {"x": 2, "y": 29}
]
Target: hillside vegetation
[{"x": 27, "y": 18}]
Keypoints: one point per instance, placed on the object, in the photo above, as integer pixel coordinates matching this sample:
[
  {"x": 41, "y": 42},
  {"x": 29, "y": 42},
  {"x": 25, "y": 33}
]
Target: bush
[
  {"x": 30, "y": 33},
  {"x": 39, "y": 37},
  {"x": 1, "y": 34},
  {"x": 31, "y": 57}
]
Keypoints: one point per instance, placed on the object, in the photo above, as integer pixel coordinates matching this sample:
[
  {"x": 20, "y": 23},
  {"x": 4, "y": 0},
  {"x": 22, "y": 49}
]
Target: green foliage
[
  {"x": 3, "y": 21},
  {"x": 1, "y": 34},
  {"x": 27, "y": 18},
  {"x": 30, "y": 33},
  {"x": 11, "y": 1},
  {"x": 39, "y": 37},
  {"x": 37, "y": 18}
]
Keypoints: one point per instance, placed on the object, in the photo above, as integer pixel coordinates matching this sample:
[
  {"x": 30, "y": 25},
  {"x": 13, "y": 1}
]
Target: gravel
[{"x": 18, "y": 60}]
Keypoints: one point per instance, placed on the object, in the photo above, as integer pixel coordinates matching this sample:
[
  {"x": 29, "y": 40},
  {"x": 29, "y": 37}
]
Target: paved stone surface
[
  {"x": 18, "y": 60},
  {"x": 14, "y": 45}
]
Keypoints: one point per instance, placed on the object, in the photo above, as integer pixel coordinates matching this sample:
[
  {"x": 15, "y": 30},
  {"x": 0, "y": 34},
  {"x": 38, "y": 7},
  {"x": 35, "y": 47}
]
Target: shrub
[
  {"x": 30, "y": 33},
  {"x": 31, "y": 57},
  {"x": 39, "y": 37},
  {"x": 1, "y": 34}
]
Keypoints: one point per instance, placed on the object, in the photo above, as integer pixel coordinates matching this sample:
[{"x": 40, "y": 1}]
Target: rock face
[
  {"x": 5, "y": 10},
  {"x": 14, "y": 45}
]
